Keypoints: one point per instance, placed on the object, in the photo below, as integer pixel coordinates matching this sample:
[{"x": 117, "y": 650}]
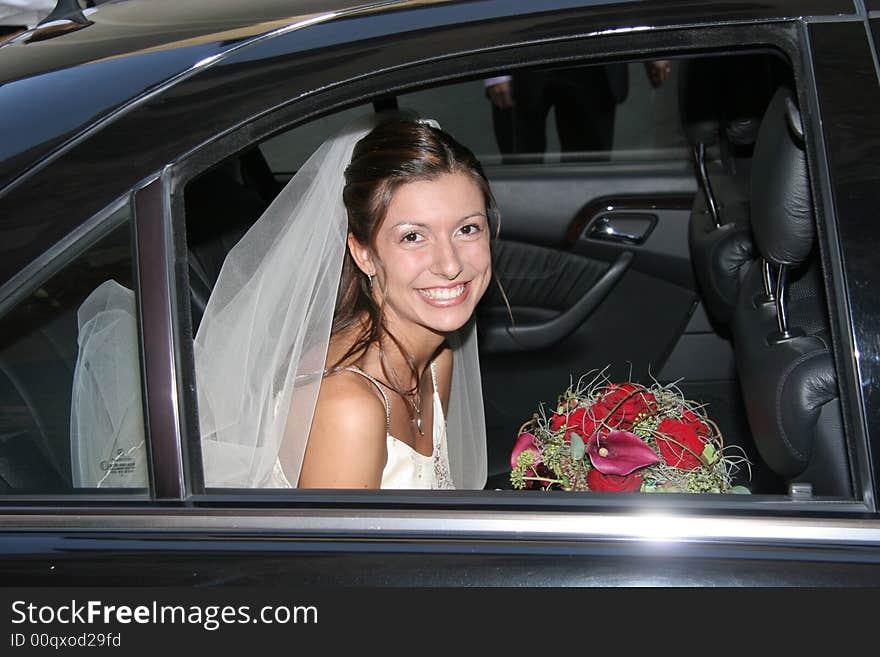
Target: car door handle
[
  {"x": 622, "y": 227},
  {"x": 499, "y": 339}
]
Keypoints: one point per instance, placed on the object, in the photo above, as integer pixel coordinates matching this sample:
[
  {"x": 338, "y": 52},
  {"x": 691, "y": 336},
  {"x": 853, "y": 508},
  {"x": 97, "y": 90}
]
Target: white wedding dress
[{"x": 405, "y": 468}]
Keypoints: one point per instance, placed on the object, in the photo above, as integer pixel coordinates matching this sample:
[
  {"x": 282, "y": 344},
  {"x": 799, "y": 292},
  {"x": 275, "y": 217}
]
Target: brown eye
[{"x": 410, "y": 237}]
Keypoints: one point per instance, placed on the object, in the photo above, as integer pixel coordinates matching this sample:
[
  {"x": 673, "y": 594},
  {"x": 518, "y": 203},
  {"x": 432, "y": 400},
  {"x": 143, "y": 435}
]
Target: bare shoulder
[
  {"x": 443, "y": 367},
  {"x": 346, "y": 447}
]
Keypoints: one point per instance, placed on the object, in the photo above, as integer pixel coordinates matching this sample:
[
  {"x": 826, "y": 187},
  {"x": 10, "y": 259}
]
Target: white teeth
[{"x": 443, "y": 293}]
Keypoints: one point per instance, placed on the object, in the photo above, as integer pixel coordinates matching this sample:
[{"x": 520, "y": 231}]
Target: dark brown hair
[{"x": 398, "y": 150}]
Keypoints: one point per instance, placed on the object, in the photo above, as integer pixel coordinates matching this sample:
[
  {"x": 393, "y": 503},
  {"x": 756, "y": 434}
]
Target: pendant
[{"x": 419, "y": 425}]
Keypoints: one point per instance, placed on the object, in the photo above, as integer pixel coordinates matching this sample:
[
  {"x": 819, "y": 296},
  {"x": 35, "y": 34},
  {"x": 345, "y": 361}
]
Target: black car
[{"x": 713, "y": 230}]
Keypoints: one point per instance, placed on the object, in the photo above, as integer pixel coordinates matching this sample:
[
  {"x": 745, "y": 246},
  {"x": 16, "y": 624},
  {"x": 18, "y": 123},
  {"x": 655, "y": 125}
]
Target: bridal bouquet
[{"x": 605, "y": 436}]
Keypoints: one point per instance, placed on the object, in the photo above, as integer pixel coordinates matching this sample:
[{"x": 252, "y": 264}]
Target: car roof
[
  {"x": 129, "y": 27},
  {"x": 60, "y": 79}
]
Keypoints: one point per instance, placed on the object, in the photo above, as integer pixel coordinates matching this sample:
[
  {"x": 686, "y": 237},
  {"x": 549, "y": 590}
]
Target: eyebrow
[{"x": 421, "y": 225}]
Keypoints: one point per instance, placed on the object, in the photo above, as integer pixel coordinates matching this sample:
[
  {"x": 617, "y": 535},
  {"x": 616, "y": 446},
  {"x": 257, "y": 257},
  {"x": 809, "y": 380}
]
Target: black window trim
[
  {"x": 157, "y": 309},
  {"x": 843, "y": 341}
]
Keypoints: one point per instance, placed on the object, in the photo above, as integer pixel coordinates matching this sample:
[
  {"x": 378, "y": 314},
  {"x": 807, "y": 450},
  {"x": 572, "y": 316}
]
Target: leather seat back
[
  {"x": 220, "y": 207},
  {"x": 722, "y": 100},
  {"x": 789, "y": 382}
]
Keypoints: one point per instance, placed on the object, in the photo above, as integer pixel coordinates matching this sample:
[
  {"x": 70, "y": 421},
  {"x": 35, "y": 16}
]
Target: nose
[{"x": 447, "y": 262}]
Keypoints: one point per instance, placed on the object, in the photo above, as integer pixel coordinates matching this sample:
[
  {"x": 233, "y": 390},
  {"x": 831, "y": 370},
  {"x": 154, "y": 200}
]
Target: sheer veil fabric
[
  {"x": 106, "y": 416},
  {"x": 261, "y": 347}
]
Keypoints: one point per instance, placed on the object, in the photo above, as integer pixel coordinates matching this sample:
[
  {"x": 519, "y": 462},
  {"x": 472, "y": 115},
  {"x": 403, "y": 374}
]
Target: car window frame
[
  {"x": 784, "y": 36},
  {"x": 51, "y": 262}
]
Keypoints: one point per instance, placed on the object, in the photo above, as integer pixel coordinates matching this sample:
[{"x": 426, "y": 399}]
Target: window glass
[
  {"x": 579, "y": 113},
  {"x": 607, "y": 258},
  {"x": 620, "y": 111},
  {"x": 70, "y": 380},
  {"x": 288, "y": 150}
]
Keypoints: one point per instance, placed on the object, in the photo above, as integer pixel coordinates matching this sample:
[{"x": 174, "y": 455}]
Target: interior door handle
[
  {"x": 499, "y": 339},
  {"x": 622, "y": 227}
]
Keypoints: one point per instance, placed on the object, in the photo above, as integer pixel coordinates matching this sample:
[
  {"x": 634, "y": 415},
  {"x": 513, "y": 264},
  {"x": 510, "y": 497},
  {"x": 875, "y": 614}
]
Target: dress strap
[
  {"x": 434, "y": 378},
  {"x": 357, "y": 370}
]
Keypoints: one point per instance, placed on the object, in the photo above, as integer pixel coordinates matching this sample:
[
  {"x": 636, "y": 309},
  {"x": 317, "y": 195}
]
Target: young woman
[
  {"x": 338, "y": 348},
  {"x": 417, "y": 263}
]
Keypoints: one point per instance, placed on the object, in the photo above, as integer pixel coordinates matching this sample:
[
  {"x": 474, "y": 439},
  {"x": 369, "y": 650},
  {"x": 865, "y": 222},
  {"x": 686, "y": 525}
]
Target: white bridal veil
[
  {"x": 106, "y": 416},
  {"x": 261, "y": 346}
]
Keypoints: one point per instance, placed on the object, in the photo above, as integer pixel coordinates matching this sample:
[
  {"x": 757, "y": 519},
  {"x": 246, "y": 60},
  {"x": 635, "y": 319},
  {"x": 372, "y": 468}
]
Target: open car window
[{"x": 644, "y": 252}]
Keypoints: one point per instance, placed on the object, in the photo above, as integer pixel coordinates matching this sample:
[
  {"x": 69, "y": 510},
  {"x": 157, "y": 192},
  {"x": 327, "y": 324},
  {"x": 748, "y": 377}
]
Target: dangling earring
[{"x": 370, "y": 280}]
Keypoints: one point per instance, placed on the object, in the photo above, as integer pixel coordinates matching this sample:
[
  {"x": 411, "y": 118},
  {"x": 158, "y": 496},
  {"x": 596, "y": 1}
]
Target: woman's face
[{"x": 433, "y": 247}]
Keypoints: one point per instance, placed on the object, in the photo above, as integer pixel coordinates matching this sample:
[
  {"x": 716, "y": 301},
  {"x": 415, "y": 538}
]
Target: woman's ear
[{"x": 362, "y": 255}]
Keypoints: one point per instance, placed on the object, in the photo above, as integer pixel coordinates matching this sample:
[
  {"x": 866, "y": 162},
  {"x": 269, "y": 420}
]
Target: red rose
[
  {"x": 620, "y": 414},
  {"x": 699, "y": 426},
  {"x": 687, "y": 443},
  {"x": 614, "y": 483},
  {"x": 578, "y": 421}
]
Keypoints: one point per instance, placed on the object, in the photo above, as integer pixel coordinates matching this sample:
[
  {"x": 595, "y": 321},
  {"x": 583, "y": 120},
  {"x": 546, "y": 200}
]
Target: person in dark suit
[{"x": 584, "y": 100}]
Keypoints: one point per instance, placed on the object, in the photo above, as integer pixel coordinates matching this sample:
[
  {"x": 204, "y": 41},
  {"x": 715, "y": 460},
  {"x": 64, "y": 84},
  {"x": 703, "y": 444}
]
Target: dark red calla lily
[
  {"x": 619, "y": 453},
  {"x": 525, "y": 441}
]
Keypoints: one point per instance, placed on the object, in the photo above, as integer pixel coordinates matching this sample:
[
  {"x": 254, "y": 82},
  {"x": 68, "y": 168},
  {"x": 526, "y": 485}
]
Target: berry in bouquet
[{"x": 624, "y": 437}]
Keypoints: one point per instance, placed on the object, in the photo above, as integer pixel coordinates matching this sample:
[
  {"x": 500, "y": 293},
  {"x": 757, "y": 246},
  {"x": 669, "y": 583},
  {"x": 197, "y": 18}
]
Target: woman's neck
[
  {"x": 420, "y": 345},
  {"x": 416, "y": 342}
]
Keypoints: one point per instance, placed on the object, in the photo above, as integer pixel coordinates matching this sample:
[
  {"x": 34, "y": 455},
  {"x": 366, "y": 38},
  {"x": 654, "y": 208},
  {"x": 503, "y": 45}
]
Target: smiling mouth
[{"x": 443, "y": 293}]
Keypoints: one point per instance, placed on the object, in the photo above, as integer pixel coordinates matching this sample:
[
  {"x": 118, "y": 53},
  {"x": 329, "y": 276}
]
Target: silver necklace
[
  {"x": 416, "y": 404},
  {"x": 415, "y": 401}
]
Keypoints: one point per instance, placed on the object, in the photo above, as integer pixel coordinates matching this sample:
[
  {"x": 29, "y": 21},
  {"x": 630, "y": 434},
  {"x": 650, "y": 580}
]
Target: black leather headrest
[{"x": 782, "y": 209}]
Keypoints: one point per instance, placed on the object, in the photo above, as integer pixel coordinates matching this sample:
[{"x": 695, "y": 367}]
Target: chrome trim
[
  {"x": 781, "y": 317},
  {"x": 700, "y": 156},
  {"x": 767, "y": 277},
  {"x": 173, "y": 314},
  {"x": 622, "y": 30},
  {"x": 645, "y": 526}
]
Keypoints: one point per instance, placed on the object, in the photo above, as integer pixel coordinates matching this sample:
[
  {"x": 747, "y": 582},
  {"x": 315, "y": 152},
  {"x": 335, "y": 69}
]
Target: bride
[{"x": 338, "y": 349}]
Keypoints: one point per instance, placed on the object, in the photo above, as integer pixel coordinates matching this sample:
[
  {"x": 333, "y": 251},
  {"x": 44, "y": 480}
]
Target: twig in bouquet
[
  {"x": 733, "y": 462},
  {"x": 531, "y": 420},
  {"x": 717, "y": 432},
  {"x": 546, "y": 480},
  {"x": 671, "y": 385},
  {"x": 600, "y": 375},
  {"x": 694, "y": 406}
]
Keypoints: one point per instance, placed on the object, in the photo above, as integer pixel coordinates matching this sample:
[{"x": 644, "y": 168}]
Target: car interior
[{"x": 700, "y": 268}]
